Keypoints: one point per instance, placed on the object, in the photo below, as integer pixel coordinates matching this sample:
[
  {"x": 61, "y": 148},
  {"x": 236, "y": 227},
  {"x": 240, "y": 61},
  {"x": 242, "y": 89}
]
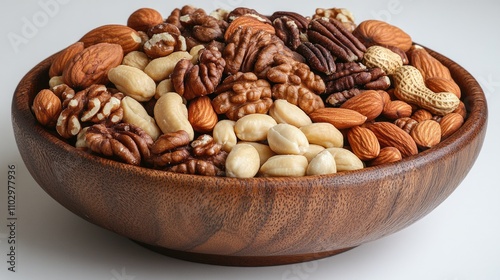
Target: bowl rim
[{"x": 476, "y": 121}]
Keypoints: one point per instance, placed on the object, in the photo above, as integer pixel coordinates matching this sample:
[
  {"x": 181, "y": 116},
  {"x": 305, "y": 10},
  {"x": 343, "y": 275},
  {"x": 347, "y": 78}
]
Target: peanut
[
  {"x": 160, "y": 68},
  {"x": 323, "y": 134},
  {"x": 287, "y": 139},
  {"x": 136, "y": 59},
  {"x": 322, "y": 163},
  {"x": 384, "y": 58},
  {"x": 171, "y": 114},
  {"x": 132, "y": 82},
  {"x": 312, "y": 151},
  {"x": 345, "y": 160},
  {"x": 264, "y": 150},
  {"x": 224, "y": 134},
  {"x": 242, "y": 162},
  {"x": 284, "y": 166},
  {"x": 254, "y": 127},
  {"x": 285, "y": 112}
]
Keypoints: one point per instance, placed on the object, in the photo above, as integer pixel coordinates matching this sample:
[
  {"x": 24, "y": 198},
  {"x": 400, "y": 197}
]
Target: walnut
[
  {"x": 198, "y": 167},
  {"x": 176, "y": 14},
  {"x": 318, "y": 57},
  {"x": 164, "y": 39},
  {"x": 123, "y": 141},
  {"x": 343, "y": 15},
  {"x": 243, "y": 11},
  {"x": 290, "y": 28},
  {"x": 242, "y": 94},
  {"x": 169, "y": 149},
  {"x": 95, "y": 104},
  {"x": 190, "y": 80},
  {"x": 331, "y": 34},
  {"x": 295, "y": 82},
  {"x": 203, "y": 27}
]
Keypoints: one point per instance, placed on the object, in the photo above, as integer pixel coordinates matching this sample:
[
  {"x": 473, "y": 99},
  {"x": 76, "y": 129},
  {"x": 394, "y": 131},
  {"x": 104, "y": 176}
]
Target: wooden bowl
[{"x": 247, "y": 222}]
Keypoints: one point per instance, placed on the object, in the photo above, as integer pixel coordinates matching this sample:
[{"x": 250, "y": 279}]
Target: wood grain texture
[{"x": 247, "y": 222}]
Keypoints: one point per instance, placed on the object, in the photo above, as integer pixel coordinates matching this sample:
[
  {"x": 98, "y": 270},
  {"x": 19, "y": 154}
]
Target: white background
[{"x": 459, "y": 240}]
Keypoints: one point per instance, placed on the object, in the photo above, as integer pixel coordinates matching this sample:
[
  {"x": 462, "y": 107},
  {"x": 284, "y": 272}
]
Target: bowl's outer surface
[{"x": 259, "y": 221}]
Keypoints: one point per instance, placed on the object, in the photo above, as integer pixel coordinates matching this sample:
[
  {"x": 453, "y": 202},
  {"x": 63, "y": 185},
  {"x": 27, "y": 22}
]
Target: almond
[
  {"x": 368, "y": 103},
  {"x": 450, "y": 123},
  {"x": 386, "y": 155},
  {"x": 428, "y": 65},
  {"x": 91, "y": 65},
  {"x": 396, "y": 109},
  {"x": 128, "y": 38},
  {"x": 363, "y": 142},
  {"x": 421, "y": 115},
  {"x": 47, "y": 107},
  {"x": 66, "y": 55},
  {"x": 202, "y": 115},
  {"x": 437, "y": 84},
  {"x": 340, "y": 117},
  {"x": 426, "y": 134},
  {"x": 376, "y": 32},
  {"x": 144, "y": 18},
  {"x": 390, "y": 135}
]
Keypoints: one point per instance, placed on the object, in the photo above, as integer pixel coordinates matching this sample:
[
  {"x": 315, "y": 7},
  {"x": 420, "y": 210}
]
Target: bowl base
[{"x": 247, "y": 261}]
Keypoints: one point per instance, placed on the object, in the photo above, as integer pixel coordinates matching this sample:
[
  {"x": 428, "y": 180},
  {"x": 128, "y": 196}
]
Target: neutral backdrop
[{"x": 459, "y": 240}]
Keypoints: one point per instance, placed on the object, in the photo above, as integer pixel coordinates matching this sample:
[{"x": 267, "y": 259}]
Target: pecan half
[
  {"x": 343, "y": 15},
  {"x": 356, "y": 75},
  {"x": 170, "y": 149},
  {"x": 125, "y": 142},
  {"x": 295, "y": 82},
  {"x": 191, "y": 80},
  {"x": 242, "y": 94},
  {"x": 318, "y": 57},
  {"x": 290, "y": 27}
]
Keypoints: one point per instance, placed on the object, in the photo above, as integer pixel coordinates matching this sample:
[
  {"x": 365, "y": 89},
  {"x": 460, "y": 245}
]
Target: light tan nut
[
  {"x": 242, "y": 162},
  {"x": 410, "y": 87},
  {"x": 171, "y": 114},
  {"x": 202, "y": 115},
  {"x": 285, "y": 112},
  {"x": 313, "y": 151},
  {"x": 264, "y": 150},
  {"x": 345, "y": 160},
  {"x": 426, "y": 134},
  {"x": 340, "y": 117},
  {"x": 363, "y": 142},
  {"x": 224, "y": 134},
  {"x": 164, "y": 87},
  {"x": 284, "y": 166},
  {"x": 323, "y": 134},
  {"x": 322, "y": 163},
  {"x": 286, "y": 139},
  {"x": 384, "y": 58},
  {"x": 81, "y": 139},
  {"x": 254, "y": 127},
  {"x": 47, "y": 107},
  {"x": 160, "y": 68},
  {"x": 136, "y": 59},
  {"x": 132, "y": 82},
  {"x": 195, "y": 53},
  {"x": 368, "y": 103},
  {"x": 387, "y": 155},
  {"x": 450, "y": 123},
  {"x": 134, "y": 113}
]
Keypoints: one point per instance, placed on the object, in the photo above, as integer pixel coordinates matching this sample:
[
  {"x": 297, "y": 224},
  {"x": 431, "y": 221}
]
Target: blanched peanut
[
  {"x": 286, "y": 139},
  {"x": 284, "y": 166},
  {"x": 224, "y": 134},
  {"x": 242, "y": 162},
  {"x": 322, "y": 163},
  {"x": 132, "y": 82},
  {"x": 323, "y": 134},
  {"x": 264, "y": 151},
  {"x": 345, "y": 160},
  {"x": 312, "y": 151},
  {"x": 164, "y": 87},
  {"x": 171, "y": 114},
  {"x": 134, "y": 113},
  {"x": 285, "y": 112},
  {"x": 254, "y": 127},
  {"x": 160, "y": 68},
  {"x": 136, "y": 59}
]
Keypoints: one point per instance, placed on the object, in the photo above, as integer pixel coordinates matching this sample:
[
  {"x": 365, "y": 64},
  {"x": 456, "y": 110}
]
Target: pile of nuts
[{"x": 241, "y": 94}]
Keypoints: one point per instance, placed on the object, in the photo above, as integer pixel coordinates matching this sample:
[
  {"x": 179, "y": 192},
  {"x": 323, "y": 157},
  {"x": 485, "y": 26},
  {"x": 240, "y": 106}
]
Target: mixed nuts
[{"x": 241, "y": 94}]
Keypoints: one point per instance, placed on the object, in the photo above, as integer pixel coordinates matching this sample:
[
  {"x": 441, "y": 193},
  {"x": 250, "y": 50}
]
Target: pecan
[
  {"x": 123, "y": 141},
  {"x": 318, "y": 57},
  {"x": 95, "y": 104},
  {"x": 170, "y": 149},
  {"x": 295, "y": 82},
  {"x": 338, "y": 98},
  {"x": 340, "y": 14},
  {"x": 205, "y": 146},
  {"x": 242, "y": 94},
  {"x": 191, "y": 80},
  {"x": 355, "y": 75},
  {"x": 336, "y": 38},
  {"x": 290, "y": 28},
  {"x": 63, "y": 91},
  {"x": 203, "y": 27},
  {"x": 176, "y": 14},
  {"x": 198, "y": 167}
]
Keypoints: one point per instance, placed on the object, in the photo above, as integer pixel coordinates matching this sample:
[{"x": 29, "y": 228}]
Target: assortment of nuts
[{"x": 241, "y": 94}]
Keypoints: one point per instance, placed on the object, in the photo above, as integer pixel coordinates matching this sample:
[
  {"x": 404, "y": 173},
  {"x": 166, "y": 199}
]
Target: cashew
[
  {"x": 410, "y": 87},
  {"x": 345, "y": 160},
  {"x": 160, "y": 68},
  {"x": 224, "y": 134},
  {"x": 134, "y": 113},
  {"x": 285, "y": 112},
  {"x": 286, "y": 139},
  {"x": 284, "y": 165},
  {"x": 132, "y": 82},
  {"x": 242, "y": 162},
  {"x": 164, "y": 87},
  {"x": 323, "y": 134},
  {"x": 322, "y": 163},
  {"x": 254, "y": 127},
  {"x": 171, "y": 114},
  {"x": 136, "y": 59}
]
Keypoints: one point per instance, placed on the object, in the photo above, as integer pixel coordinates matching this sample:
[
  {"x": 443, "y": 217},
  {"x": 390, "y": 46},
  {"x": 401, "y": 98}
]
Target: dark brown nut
[
  {"x": 340, "y": 14},
  {"x": 242, "y": 94},
  {"x": 176, "y": 14},
  {"x": 205, "y": 146},
  {"x": 162, "y": 28},
  {"x": 243, "y": 11},
  {"x": 203, "y": 27},
  {"x": 406, "y": 123},
  {"x": 170, "y": 149},
  {"x": 296, "y": 83},
  {"x": 355, "y": 75},
  {"x": 163, "y": 44},
  {"x": 190, "y": 80},
  {"x": 338, "y": 98},
  {"x": 122, "y": 141},
  {"x": 198, "y": 167},
  {"x": 290, "y": 28},
  {"x": 66, "y": 55},
  {"x": 336, "y": 38},
  {"x": 144, "y": 18},
  {"x": 318, "y": 57}
]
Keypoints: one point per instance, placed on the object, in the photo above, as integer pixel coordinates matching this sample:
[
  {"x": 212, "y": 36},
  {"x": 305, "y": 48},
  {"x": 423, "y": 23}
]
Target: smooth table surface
[{"x": 459, "y": 240}]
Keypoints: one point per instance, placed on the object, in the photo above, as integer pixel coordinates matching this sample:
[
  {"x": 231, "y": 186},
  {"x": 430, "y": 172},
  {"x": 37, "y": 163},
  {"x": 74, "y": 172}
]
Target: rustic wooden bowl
[{"x": 247, "y": 222}]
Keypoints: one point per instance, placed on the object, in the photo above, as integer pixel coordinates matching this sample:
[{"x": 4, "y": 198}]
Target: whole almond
[
  {"x": 368, "y": 103},
  {"x": 450, "y": 123},
  {"x": 377, "y": 32},
  {"x": 421, "y": 115},
  {"x": 144, "y": 18},
  {"x": 201, "y": 114},
  {"x": 396, "y": 109},
  {"x": 390, "y": 135},
  {"x": 91, "y": 65},
  {"x": 386, "y": 155},
  {"x": 437, "y": 84},
  {"x": 128, "y": 38},
  {"x": 363, "y": 142},
  {"x": 66, "y": 55},
  {"x": 340, "y": 117},
  {"x": 47, "y": 107},
  {"x": 426, "y": 134}
]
